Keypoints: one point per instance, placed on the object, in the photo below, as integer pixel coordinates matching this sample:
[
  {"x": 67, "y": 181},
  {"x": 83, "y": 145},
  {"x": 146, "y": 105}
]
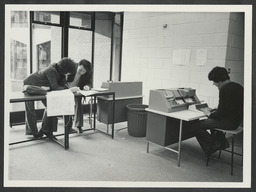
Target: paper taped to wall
[{"x": 201, "y": 56}]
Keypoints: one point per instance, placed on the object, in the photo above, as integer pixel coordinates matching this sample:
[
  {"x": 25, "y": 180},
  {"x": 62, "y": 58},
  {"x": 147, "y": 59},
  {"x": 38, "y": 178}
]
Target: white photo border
[{"x": 247, "y": 9}]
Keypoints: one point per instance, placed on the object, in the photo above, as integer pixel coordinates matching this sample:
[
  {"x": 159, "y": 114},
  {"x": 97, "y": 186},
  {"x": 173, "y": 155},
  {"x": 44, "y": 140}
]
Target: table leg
[
  {"x": 66, "y": 134},
  {"x": 179, "y": 147},
  {"x": 147, "y": 146},
  {"x": 113, "y": 115},
  {"x": 90, "y": 113},
  {"x": 94, "y": 114}
]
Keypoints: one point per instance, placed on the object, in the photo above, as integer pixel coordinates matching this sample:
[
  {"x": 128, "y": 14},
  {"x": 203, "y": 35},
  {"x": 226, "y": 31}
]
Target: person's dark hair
[
  {"x": 86, "y": 64},
  {"x": 218, "y": 74},
  {"x": 67, "y": 65}
]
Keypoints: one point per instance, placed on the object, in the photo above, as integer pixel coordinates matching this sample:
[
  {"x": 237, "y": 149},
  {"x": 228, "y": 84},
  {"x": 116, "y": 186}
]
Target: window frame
[{"x": 65, "y": 26}]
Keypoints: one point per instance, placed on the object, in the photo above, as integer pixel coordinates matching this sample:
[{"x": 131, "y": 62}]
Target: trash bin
[{"x": 137, "y": 120}]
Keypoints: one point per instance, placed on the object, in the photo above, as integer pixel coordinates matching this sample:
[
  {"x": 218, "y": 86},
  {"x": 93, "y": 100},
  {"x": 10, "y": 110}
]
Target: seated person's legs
[
  {"x": 49, "y": 124},
  {"x": 30, "y": 118},
  {"x": 79, "y": 121},
  {"x": 209, "y": 142},
  {"x": 68, "y": 120}
]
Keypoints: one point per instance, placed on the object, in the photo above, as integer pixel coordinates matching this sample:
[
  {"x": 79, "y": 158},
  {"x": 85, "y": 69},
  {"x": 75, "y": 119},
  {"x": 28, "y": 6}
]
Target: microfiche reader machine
[{"x": 171, "y": 100}]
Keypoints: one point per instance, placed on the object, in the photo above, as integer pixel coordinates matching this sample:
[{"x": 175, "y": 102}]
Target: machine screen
[
  {"x": 179, "y": 101},
  {"x": 189, "y": 100}
]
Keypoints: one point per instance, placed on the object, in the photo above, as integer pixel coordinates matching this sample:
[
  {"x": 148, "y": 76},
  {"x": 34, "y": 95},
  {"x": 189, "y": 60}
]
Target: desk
[
  {"x": 21, "y": 97},
  {"x": 104, "y": 109},
  {"x": 166, "y": 128}
]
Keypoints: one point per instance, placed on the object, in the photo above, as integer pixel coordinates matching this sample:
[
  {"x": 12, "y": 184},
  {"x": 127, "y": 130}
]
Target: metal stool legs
[{"x": 231, "y": 163}]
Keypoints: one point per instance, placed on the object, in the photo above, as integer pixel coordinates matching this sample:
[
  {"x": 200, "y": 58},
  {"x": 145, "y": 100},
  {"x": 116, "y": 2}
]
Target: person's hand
[
  {"x": 86, "y": 88},
  {"x": 45, "y": 88},
  {"x": 68, "y": 84},
  {"x": 207, "y": 113},
  {"x": 213, "y": 110},
  {"x": 74, "y": 89}
]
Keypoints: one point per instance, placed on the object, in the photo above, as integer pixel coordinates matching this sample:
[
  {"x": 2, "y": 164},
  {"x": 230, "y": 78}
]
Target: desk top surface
[
  {"x": 186, "y": 115},
  {"x": 21, "y": 97}
]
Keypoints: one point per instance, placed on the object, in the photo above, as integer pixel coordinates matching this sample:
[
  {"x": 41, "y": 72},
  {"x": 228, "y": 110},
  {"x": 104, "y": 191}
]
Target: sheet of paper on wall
[
  {"x": 88, "y": 93},
  {"x": 181, "y": 56},
  {"x": 60, "y": 102},
  {"x": 201, "y": 56}
]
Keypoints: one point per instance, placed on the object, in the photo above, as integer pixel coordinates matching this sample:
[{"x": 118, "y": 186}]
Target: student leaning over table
[
  {"x": 50, "y": 78},
  {"x": 228, "y": 115},
  {"x": 83, "y": 80}
]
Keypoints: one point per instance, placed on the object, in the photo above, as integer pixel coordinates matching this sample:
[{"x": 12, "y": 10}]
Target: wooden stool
[{"x": 233, "y": 133}]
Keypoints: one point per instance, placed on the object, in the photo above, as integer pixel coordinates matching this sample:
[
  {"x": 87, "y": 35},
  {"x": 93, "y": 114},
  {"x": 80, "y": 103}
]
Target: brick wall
[{"x": 148, "y": 49}]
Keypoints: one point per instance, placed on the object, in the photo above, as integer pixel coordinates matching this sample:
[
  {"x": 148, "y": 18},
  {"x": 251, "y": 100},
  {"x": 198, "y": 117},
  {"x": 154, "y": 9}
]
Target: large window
[{"x": 39, "y": 38}]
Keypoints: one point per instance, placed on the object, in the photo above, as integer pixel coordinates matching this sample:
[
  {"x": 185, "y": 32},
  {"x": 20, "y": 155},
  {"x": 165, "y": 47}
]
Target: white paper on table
[
  {"x": 60, "y": 103},
  {"x": 88, "y": 93}
]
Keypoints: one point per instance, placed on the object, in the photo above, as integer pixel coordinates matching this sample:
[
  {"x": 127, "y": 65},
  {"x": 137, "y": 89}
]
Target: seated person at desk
[
  {"x": 228, "y": 115},
  {"x": 50, "y": 78},
  {"x": 83, "y": 80}
]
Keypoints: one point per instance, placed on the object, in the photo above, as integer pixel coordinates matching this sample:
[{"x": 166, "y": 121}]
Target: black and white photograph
[{"x": 128, "y": 96}]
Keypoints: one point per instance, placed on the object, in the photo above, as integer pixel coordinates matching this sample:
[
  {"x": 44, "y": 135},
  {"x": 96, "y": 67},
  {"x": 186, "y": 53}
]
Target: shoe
[
  {"x": 72, "y": 131},
  {"x": 38, "y": 134},
  {"x": 42, "y": 133},
  {"x": 225, "y": 144},
  {"x": 51, "y": 136},
  {"x": 80, "y": 130},
  {"x": 214, "y": 148},
  {"x": 220, "y": 137}
]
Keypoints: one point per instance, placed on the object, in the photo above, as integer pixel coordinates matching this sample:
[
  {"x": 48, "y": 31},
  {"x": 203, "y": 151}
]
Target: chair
[{"x": 233, "y": 133}]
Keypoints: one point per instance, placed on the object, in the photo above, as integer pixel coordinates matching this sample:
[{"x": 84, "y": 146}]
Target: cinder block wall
[{"x": 148, "y": 49}]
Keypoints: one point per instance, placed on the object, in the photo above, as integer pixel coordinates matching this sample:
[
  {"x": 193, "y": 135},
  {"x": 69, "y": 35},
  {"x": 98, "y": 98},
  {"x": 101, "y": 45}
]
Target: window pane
[
  {"x": 18, "y": 61},
  {"x": 19, "y": 39},
  {"x": 46, "y": 46},
  {"x": 102, "y": 54},
  {"x": 80, "y": 44},
  {"x": 116, "y": 48},
  {"x": 49, "y": 17},
  {"x": 80, "y": 20},
  {"x": 19, "y": 19}
]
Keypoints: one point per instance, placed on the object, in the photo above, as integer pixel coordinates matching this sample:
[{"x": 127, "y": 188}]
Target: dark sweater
[
  {"x": 49, "y": 77},
  {"x": 230, "y": 106},
  {"x": 85, "y": 79}
]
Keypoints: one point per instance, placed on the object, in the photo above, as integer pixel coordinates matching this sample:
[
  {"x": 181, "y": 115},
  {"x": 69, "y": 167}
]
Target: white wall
[
  {"x": 235, "y": 51},
  {"x": 148, "y": 50}
]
